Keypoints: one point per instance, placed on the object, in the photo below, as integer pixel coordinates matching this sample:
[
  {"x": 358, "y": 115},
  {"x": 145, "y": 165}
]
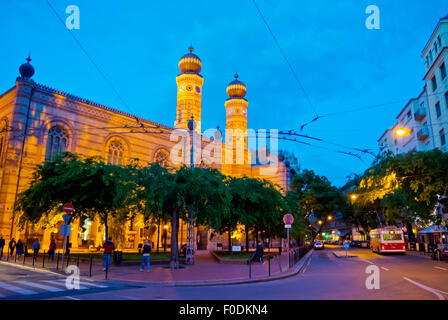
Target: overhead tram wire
[
  {"x": 287, "y": 61},
  {"x": 109, "y": 83}
]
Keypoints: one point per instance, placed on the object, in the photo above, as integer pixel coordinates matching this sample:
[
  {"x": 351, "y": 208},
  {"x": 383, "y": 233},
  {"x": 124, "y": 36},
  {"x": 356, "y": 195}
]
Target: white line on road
[
  {"x": 15, "y": 289},
  {"x": 441, "y": 268},
  {"x": 39, "y": 286},
  {"x": 72, "y": 298},
  {"x": 62, "y": 284},
  {"x": 365, "y": 260},
  {"x": 384, "y": 268},
  {"x": 304, "y": 270},
  {"x": 432, "y": 290},
  {"x": 130, "y": 298}
]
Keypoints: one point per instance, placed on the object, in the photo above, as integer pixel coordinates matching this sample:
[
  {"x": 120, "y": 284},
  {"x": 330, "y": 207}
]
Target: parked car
[
  {"x": 365, "y": 244},
  {"x": 318, "y": 245}
]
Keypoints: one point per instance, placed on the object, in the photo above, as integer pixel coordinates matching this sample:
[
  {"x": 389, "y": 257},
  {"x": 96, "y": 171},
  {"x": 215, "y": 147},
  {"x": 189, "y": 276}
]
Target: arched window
[
  {"x": 3, "y": 131},
  {"x": 115, "y": 153},
  {"x": 57, "y": 142},
  {"x": 162, "y": 158}
]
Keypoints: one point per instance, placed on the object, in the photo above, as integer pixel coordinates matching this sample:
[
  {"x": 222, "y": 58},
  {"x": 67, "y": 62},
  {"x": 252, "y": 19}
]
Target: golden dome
[
  {"x": 236, "y": 89},
  {"x": 190, "y": 63}
]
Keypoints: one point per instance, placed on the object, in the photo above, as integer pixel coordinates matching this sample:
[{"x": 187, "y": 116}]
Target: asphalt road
[{"x": 325, "y": 276}]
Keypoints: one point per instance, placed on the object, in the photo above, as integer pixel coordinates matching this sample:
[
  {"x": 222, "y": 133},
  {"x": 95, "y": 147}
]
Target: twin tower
[{"x": 189, "y": 96}]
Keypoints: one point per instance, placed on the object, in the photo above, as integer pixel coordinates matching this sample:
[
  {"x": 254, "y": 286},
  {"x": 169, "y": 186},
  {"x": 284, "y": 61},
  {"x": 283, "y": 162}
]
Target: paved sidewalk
[{"x": 205, "y": 271}]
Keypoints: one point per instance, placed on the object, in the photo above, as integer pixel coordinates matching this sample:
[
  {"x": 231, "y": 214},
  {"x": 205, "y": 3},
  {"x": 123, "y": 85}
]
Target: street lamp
[
  {"x": 189, "y": 250},
  {"x": 402, "y": 132},
  {"x": 319, "y": 222},
  {"x": 329, "y": 217}
]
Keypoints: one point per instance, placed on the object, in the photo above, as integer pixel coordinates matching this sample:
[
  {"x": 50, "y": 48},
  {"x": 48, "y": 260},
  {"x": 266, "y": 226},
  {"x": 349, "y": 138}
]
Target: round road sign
[
  {"x": 68, "y": 208},
  {"x": 288, "y": 218}
]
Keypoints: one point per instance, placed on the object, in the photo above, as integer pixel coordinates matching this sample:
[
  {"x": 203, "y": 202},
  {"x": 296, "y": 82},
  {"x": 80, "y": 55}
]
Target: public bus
[{"x": 388, "y": 239}]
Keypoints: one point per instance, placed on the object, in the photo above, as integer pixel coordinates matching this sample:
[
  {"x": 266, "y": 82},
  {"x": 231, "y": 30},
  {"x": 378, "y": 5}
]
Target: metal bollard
[
  {"x": 269, "y": 262},
  {"x": 34, "y": 259},
  {"x": 90, "y": 270},
  {"x": 24, "y": 256},
  {"x": 57, "y": 262},
  {"x": 15, "y": 258},
  {"x": 43, "y": 260},
  {"x": 68, "y": 259},
  {"x": 77, "y": 262},
  {"x": 250, "y": 269}
]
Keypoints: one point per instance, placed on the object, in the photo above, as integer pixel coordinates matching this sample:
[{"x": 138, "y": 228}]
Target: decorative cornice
[{"x": 51, "y": 91}]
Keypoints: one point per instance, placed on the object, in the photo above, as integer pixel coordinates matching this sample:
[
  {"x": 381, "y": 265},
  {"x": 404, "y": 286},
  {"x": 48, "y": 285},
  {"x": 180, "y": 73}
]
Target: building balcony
[
  {"x": 420, "y": 114},
  {"x": 423, "y": 134}
]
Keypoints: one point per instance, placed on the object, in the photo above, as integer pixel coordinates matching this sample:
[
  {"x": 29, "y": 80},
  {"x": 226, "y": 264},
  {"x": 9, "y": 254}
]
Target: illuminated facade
[{"x": 38, "y": 122}]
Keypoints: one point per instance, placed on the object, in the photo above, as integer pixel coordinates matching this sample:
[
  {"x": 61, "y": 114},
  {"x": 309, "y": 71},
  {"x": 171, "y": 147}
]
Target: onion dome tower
[
  {"x": 236, "y": 153},
  {"x": 26, "y": 70},
  {"x": 189, "y": 91}
]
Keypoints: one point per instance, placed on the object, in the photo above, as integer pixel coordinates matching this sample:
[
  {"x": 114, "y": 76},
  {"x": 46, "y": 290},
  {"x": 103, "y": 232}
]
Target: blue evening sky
[{"x": 137, "y": 44}]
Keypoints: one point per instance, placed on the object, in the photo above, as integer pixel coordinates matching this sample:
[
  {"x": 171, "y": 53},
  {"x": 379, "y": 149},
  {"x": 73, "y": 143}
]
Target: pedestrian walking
[
  {"x": 146, "y": 257},
  {"x": 19, "y": 248},
  {"x": 259, "y": 252},
  {"x": 12, "y": 246},
  {"x": 36, "y": 248},
  {"x": 2, "y": 244},
  {"x": 109, "y": 248},
  {"x": 52, "y": 249}
]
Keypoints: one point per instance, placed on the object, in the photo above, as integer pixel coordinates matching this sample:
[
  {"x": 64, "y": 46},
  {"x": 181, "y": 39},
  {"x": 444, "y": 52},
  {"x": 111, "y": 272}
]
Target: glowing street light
[
  {"x": 353, "y": 196},
  {"x": 402, "y": 132},
  {"x": 320, "y": 222},
  {"x": 329, "y": 217}
]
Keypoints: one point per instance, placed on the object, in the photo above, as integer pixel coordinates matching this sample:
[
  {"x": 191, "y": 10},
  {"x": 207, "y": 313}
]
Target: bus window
[{"x": 392, "y": 236}]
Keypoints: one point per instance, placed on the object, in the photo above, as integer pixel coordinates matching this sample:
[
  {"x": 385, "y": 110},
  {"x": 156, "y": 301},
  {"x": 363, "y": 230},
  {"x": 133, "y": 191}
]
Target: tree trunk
[
  {"x": 230, "y": 239},
  {"x": 246, "y": 228},
  {"x": 174, "y": 263},
  {"x": 256, "y": 236},
  {"x": 158, "y": 236},
  {"x": 411, "y": 235},
  {"x": 106, "y": 228}
]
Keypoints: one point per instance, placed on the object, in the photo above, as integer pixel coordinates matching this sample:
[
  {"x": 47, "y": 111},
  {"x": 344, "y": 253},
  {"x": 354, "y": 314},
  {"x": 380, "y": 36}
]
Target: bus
[{"x": 389, "y": 239}]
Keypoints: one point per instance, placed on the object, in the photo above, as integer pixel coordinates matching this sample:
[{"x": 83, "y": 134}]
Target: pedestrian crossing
[{"x": 23, "y": 288}]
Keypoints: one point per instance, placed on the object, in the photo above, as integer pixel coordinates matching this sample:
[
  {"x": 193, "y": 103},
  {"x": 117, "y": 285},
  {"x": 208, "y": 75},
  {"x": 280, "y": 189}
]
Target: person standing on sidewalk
[
  {"x": 12, "y": 246},
  {"x": 2, "y": 244},
  {"x": 260, "y": 252},
  {"x": 19, "y": 247},
  {"x": 36, "y": 248},
  {"x": 109, "y": 248},
  {"x": 146, "y": 257},
  {"x": 52, "y": 249}
]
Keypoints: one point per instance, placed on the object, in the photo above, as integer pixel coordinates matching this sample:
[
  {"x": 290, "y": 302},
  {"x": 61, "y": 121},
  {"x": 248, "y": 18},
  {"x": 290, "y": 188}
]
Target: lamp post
[{"x": 189, "y": 252}]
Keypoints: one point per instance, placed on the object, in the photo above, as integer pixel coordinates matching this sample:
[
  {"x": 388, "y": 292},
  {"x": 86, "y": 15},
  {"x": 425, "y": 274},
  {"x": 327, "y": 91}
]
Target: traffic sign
[
  {"x": 287, "y": 226},
  {"x": 65, "y": 230},
  {"x": 288, "y": 219},
  {"x": 68, "y": 208},
  {"x": 67, "y": 218},
  {"x": 346, "y": 245}
]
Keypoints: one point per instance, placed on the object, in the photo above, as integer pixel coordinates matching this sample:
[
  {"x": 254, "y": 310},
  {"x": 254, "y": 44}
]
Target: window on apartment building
[
  {"x": 57, "y": 142},
  {"x": 438, "y": 111},
  {"x": 409, "y": 114},
  {"x": 434, "y": 83},
  {"x": 443, "y": 71},
  {"x": 430, "y": 55},
  {"x": 435, "y": 47},
  {"x": 446, "y": 99},
  {"x": 440, "y": 41},
  {"x": 442, "y": 137}
]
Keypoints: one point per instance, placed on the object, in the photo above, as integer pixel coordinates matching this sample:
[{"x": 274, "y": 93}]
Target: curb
[
  {"x": 20, "y": 266},
  {"x": 279, "y": 277}
]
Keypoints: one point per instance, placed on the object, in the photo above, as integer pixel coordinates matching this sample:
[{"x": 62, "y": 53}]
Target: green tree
[{"x": 95, "y": 189}]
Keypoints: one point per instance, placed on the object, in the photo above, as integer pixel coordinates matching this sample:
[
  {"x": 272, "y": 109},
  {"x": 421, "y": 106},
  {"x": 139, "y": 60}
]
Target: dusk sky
[{"x": 137, "y": 44}]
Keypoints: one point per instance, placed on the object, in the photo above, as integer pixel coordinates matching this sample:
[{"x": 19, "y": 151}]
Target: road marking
[
  {"x": 15, "y": 289},
  {"x": 304, "y": 270},
  {"x": 62, "y": 284},
  {"x": 86, "y": 283},
  {"x": 73, "y": 298},
  {"x": 441, "y": 268},
  {"x": 39, "y": 286},
  {"x": 384, "y": 268},
  {"x": 365, "y": 260},
  {"x": 131, "y": 298},
  {"x": 432, "y": 290}
]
